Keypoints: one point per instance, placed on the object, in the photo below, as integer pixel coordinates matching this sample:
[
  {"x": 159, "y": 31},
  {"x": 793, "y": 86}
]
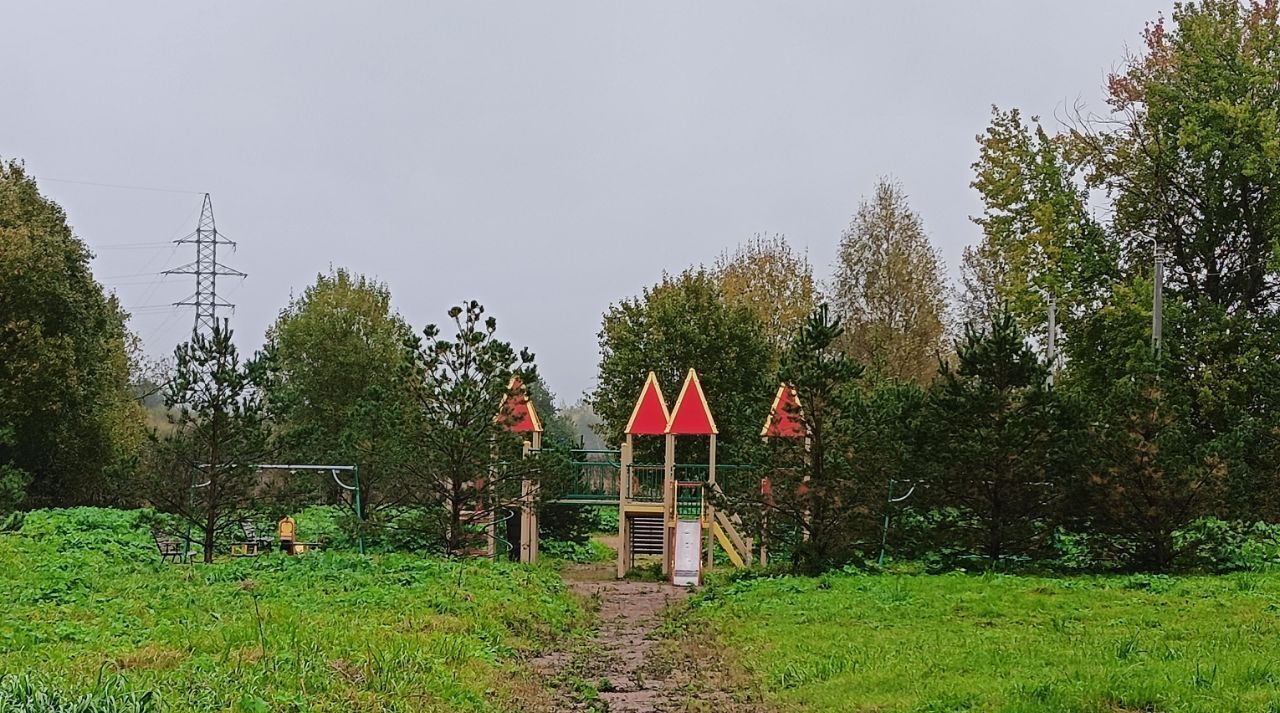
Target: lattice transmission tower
[{"x": 207, "y": 270}]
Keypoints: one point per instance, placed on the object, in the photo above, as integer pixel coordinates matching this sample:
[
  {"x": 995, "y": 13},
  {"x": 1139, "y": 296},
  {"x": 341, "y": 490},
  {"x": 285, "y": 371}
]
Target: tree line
[{"x": 934, "y": 411}]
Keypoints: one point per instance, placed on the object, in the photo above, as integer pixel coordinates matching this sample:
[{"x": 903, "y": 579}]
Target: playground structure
[
  {"x": 524, "y": 419},
  {"x": 665, "y": 508},
  {"x": 690, "y": 524}
]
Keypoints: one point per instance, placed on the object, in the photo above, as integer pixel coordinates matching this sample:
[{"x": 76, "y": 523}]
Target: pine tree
[
  {"x": 992, "y": 434},
  {"x": 204, "y": 469},
  {"x": 463, "y": 457}
]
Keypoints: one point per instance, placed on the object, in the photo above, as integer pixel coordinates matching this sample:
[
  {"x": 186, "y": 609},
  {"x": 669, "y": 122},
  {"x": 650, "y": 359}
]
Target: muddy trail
[
  {"x": 611, "y": 672},
  {"x": 627, "y": 667}
]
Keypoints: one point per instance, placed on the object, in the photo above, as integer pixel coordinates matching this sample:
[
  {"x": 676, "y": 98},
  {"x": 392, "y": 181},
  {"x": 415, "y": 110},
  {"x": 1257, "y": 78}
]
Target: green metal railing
[
  {"x": 688, "y": 500},
  {"x": 692, "y": 472},
  {"x": 646, "y": 483},
  {"x": 596, "y": 475}
]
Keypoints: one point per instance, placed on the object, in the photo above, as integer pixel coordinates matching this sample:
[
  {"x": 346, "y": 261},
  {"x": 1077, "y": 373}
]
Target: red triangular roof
[
  {"x": 692, "y": 416},
  {"x": 521, "y": 411},
  {"x": 785, "y": 418},
  {"x": 650, "y": 415}
]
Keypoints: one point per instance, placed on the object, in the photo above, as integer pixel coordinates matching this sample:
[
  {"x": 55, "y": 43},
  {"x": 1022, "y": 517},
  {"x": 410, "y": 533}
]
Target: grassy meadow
[
  {"x": 1011, "y": 644},
  {"x": 87, "y": 612}
]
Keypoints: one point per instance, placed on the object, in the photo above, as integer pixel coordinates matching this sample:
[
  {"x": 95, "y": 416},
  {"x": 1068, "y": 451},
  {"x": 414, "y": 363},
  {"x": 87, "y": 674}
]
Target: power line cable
[
  {"x": 129, "y": 246},
  {"x": 159, "y": 277},
  {"x": 117, "y": 185}
]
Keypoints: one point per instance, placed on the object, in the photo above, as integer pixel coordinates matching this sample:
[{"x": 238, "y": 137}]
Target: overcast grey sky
[{"x": 546, "y": 158}]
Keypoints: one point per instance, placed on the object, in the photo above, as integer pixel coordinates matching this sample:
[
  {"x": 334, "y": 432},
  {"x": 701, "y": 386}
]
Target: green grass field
[
  {"x": 85, "y": 604},
  {"x": 1004, "y": 643}
]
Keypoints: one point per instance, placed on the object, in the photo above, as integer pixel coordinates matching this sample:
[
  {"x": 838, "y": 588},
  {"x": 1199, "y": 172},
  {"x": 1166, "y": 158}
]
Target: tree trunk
[
  {"x": 455, "y": 539},
  {"x": 209, "y": 522}
]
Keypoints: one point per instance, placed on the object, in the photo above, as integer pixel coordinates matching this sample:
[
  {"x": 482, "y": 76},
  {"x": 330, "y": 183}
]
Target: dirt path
[{"x": 610, "y": 673}]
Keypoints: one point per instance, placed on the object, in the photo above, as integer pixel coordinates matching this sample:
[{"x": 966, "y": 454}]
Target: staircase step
[{"x": 647, "y": 534}]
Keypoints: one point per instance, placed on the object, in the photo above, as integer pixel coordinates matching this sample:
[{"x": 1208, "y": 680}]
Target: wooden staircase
[{"x": 647, "y": 533}]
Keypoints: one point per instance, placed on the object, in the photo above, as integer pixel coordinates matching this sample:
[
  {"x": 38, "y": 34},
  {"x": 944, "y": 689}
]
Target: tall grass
[
  {"x": 1004, "y": 643},
  {"x": 24, "y": 694},
  {"x": 85, "y": 595}
]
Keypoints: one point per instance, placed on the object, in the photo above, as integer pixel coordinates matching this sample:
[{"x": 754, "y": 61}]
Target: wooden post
[
  {"x": 804, "y": 534},
  {"x": 624, "y": 494},
  {"x": 534, "y": 524},
  {"x": 529, "y": 507},
  {"x": 709, "y": 509},
  {"x": 669, "y": 505},
  {"x": 526, "y": 489},
  {"x": 488, "y": 501}
]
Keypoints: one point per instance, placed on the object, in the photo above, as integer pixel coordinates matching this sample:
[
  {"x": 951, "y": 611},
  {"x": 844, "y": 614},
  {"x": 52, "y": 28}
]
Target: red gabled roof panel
[
  {"x": 692, "y": 416},
  {"x": 785, "y": 419},
  {"x": 520, "y": 410},
  {"x": 650, "y": 415}
]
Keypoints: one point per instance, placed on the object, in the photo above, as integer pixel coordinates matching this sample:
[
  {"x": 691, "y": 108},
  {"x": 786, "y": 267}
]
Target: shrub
[
  {"x": 577, "y": 552},
  {"x": 1215, "y": 545},
  {"x": 120, "y": 534}
]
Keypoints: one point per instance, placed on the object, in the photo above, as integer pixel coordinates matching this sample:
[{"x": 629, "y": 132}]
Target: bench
[
  {"x": 253, "y": 544},
  {"x": 171, "y": 549},
  {"x": 287, "y": 532}
]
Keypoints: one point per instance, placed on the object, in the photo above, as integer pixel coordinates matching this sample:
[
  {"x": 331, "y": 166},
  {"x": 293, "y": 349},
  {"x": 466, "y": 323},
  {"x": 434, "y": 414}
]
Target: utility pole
[
  {"x": 207, "y": 270},
  {"x": 1052, "y": 341}
]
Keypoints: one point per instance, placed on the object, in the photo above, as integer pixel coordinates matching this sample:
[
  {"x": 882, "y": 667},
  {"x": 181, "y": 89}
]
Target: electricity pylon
[{"x": 207, "y": 270}]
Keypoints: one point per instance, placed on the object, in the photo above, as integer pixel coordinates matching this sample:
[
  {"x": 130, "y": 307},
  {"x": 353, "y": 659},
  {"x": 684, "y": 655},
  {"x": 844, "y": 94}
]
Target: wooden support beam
[
  {"x": 709, "y": 508},
  {"x": 669, "y": 505},
  {"x": 624, "y": 494}
]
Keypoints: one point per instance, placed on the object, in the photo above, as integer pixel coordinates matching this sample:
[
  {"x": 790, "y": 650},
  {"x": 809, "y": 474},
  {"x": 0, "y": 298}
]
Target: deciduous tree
[
  {"x": 337, "y": 394},
  {"x": 684, "y": 322},
  {"x": 68, "y": 427},
  {"x": 890, "y": 290},
  {"x": 1190, "y": 153},
  {"x": 766, "y": 275},
  {"x": 1039, "y": 239},
  {"x": 1190, "y": 158}
]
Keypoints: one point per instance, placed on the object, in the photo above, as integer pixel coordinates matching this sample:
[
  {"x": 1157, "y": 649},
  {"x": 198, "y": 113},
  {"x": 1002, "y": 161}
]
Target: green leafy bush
[
  {"x": 1214, "y": 545},
  {"x": 122, "y": 534},
  {"x": 606, "y": 519},
  {"x": 577, "y": 552}
]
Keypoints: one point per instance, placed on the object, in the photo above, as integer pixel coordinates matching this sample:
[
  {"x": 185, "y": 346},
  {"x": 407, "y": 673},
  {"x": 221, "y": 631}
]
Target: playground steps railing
[
  {"x": 738, "y": 549},
  {"x": 726, "y": 533},
  {"x": 728, "y": 545}
]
